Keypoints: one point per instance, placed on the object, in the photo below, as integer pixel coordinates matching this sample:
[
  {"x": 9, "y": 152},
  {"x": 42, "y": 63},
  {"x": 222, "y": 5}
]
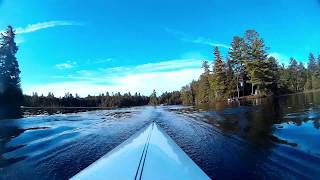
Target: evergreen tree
[
  {"x": 272, "y": 76},
  {"x": 219, "y": 73},
  {"x": 193, "y": 88},
  {"x": 206, "y": 67},
  {"x": 256, "y": 56},
  {"x": 312, "y": 64},
  {"x": 231, "y": 81},
  {"x": 312, "y": 70},
  {"x": 293, "y": 75},
  {"x": 186, "y": 95},
  {"x": 313, "y": 73},
  {"x": 204, "y": 85},
  {"x": 10, "y": 91},
  {"x": 237, "y": 60},
  {"x": 302, "y": 77},
  {"x": 309, "y": 85},
  {"x": 153, "y": 98},
  {"x": 170, "y": 98},
  {"x": 284, "y": 77}
]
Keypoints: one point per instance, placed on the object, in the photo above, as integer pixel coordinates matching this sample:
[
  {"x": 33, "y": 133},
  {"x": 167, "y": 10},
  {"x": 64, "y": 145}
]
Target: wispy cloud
[
  {"x": 162, "y": 76},
  {"x": 99, "y": 61},
  {"x": 195, "y": 39},
  {"x": 282, "y": 58},
  {"x": 38, "y": 26},
  {"x": 43, "y": 25},
  {"x": 66, "y": 65}
]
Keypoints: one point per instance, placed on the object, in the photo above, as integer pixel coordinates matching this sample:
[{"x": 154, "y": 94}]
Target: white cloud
[
  {"x": 162, "y": 76},
  {"x": 169, "y": 65},
  {"x": 38, "y": 26},
  {"x": 195, "y": 39},
  {"x": 42, "y": 25},
  {"x": 85, "y": 72},
  {"x": 67, "y": 65},
  {"x": 99, "y": 61},
  {"x": 282, "y": 59}
]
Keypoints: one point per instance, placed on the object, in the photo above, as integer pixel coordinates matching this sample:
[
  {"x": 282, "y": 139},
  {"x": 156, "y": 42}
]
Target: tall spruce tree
[
  {"x": 206, "y": 67},
  {"x": 293, "y": 75},
  {"x": 311, "y": 72},
  {"x": 312, "y": 64},
  {"x": 237, "y": 60},
  {"x": 204, "y": 84},
  {"x": 272, "y": 76},
  {"x": 186, "y": 95},
  {"x": 256, "y": 57},
  {"x": 301, "y": 77},
  {"x": 10, "y": 91},
  {"x": 283, "y": 83},
  {"x": 219, "y": 73},
  {"x": 153, "y": 98},
  {"x": 231, "y": 80}
]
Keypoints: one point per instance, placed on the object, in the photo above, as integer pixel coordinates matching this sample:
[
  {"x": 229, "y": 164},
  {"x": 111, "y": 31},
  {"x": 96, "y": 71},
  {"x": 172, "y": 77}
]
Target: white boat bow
[{"x": 149, "y": 154}]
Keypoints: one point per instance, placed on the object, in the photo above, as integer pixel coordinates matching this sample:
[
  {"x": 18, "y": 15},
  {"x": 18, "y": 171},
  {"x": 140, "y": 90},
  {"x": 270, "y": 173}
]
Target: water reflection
[{"x": 260, "y": 120}]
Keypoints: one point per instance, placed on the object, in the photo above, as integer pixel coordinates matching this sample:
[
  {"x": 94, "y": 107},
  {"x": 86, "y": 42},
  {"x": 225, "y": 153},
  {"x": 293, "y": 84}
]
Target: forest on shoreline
[{"x": 246, "y": 70}]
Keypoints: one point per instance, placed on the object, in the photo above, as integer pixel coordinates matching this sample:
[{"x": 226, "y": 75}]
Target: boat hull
[{"x": 149, "y": 154}]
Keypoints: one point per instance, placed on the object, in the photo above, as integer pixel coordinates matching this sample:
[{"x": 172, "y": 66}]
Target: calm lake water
[{"x": 261, "y": 139}]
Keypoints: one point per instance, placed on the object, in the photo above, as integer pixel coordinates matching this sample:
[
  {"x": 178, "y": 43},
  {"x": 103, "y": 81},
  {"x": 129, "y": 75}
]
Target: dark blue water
[{"x": 261, "y": 139}]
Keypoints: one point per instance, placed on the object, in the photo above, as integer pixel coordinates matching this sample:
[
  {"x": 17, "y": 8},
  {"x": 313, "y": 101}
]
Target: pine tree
[
  {"x": 236, "y": 54},
  {"x": 186, "y": 95},
  {"x": 272, "y": 76},
  {"x": 312, "y": 64},
  {"x": 293, "y": 75},
  {"x": 153, "y": 98},
  {"x": 301, "y": 77},
  {"x": 206, "y": 67},
  {"x": 10, "y": 91},
  {"x": 9, "y": 69},
  {"x": 219, "y": 73},
  {"x": 311, "y": 72},
  {"x": 204, "y": 85},
  {"x": 231, "y": 81},
  {"x": 256, "y": 57},
  {"x": 283, "y": 83}
]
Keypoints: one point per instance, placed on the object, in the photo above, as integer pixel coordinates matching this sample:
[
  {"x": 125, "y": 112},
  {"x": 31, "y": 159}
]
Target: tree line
[
  {"x": 102, "y": 100},
  {"x": 70, "y": 100},
  {"x": 247, "y": 69}
]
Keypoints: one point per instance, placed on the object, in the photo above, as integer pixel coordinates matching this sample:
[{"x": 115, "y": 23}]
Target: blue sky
[{"x": 83, "y": 46}]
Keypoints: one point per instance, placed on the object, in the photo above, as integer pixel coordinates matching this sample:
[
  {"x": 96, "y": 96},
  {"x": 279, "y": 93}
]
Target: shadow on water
[
  {"x": 270, "y": 138},
  {"x": 9, "y": 111},
  {"x": 6, "y": 134},
  {"x": 259, "y": 120}
]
